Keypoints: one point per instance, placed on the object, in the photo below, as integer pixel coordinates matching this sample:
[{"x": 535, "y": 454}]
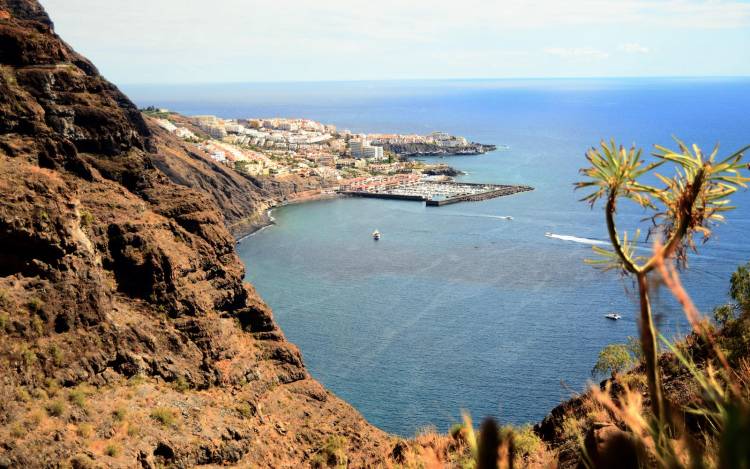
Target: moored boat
[{"x": 613, "y": 316}]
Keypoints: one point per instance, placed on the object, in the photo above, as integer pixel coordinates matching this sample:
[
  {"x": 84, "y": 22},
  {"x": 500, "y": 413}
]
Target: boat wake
[
  {"x": 575, "y": 239},
  {"x": 479, "y": 215},
  {"x": 496, "y": 217}
]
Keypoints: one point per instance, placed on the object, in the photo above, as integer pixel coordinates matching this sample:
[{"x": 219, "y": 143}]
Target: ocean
[{"x": 457, "y": 308}]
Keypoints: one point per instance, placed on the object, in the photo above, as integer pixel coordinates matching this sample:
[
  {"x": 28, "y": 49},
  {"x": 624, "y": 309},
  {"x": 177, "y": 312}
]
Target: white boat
[
  {"x": 376, "y": 235},
  {"x": 613, "y": 316}
]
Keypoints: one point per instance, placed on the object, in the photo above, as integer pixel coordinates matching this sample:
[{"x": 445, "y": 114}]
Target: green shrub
[
  {"x": 17, "y": 431},
  {"x": 35, "y": 305},
  {"x": 164, "y": 416},
  {"x": 455, "y": 430},
  {"x": 332, "y": 454},
  {"x": 55, "y": 408},
  {"x": 56, "y": 355},
  {"x": 78, "y": 398},
  {"x": 525, "y": 440},
  {"x": 245, "y": 410},
  {"x": 22, "y": 394},
  {"x": 119, "y": 414},
  {"x": 634, "y": 380},
  {"x": 4, "y": 322},
  {"x": 87, "y": 219},
  {"x": 571, "y": 428},
  {"x": 739, "y": 288},
  {"x": 724, "y": 314},
  {"x": 112, "y": 450},
  {"x": 28, "y": 357},
  {"x": 37, "y": 325},
  {"x": 39, "y": 393},
  {"x": 613, "y": 359},
  {"x": 84, "y": 430},
  {"x": 52, "y": 386},
  {"x": 181, "y": 384}
]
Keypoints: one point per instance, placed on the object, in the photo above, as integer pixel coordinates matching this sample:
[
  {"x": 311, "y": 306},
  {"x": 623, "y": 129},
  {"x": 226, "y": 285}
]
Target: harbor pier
[{"x": 435, "y": 193}]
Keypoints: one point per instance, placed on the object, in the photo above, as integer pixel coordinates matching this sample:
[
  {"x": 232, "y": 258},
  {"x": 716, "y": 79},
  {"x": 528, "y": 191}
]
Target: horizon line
[{"x": 385, "y": 80}]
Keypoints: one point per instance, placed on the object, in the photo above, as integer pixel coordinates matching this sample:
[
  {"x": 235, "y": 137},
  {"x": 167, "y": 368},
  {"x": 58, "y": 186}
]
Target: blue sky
[{"x": 192, "y": 41}]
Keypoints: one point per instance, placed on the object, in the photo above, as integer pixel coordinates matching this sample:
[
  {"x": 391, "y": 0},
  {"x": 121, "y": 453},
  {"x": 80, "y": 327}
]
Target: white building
[
  {"x": 361, "y": 148},
  {"x": 219, "y": 156},
  {"x": 166, "y": 125},
  {"x": 233, "y": 128},
  {"x": 185, "y": 134}
]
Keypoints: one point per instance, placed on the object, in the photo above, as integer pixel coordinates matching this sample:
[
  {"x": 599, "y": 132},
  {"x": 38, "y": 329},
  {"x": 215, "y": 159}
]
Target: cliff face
[
  {"x": 127, "y": 335},
  {"x": 243, "y": 201}
]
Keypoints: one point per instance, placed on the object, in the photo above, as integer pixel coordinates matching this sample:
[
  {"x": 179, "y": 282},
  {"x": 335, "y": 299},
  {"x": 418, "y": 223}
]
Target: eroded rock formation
[{"x": 127, "y": 335}]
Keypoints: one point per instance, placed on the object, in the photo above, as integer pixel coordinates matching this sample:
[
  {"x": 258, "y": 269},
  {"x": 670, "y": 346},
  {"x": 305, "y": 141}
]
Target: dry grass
[
  {"x": 55, "y": 408},
  {"x": 165, "y": 416}
]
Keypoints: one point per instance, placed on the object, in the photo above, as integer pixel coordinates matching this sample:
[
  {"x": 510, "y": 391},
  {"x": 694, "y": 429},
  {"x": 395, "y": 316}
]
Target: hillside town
[{"x": 283, "y": 146}]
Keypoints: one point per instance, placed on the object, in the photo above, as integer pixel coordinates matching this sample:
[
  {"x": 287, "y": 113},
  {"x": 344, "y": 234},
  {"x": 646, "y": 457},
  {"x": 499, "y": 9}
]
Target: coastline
[{"x": 266, "y": 220}]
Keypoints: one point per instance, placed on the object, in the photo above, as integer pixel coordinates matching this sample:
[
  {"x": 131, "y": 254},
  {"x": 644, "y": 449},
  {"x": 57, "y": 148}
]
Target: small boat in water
[
  {"x": 613, "y": 316},
  {"x": 376, "y": 235}
]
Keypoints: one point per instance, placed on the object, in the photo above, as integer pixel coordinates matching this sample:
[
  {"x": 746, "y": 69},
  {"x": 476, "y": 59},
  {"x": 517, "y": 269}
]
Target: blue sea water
[{"x": 456, "y": 308}]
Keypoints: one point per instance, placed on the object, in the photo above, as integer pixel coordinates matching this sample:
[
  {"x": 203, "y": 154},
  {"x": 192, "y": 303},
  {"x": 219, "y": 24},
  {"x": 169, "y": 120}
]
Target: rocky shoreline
[{"x": 428, "y": 149}]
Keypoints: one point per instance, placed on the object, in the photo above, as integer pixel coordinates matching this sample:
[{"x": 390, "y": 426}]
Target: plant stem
[
  {"x": 648, "y": 342},
  {"x": 613, "y": 237}
]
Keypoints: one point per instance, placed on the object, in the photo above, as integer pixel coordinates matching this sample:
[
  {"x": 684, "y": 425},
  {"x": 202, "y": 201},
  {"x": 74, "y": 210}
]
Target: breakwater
[{"x": 441, "y": 193}]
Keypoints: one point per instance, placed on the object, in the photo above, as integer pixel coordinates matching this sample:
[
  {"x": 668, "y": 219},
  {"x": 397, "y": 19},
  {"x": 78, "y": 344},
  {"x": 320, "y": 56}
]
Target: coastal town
[{"x": 381, "y": 165}]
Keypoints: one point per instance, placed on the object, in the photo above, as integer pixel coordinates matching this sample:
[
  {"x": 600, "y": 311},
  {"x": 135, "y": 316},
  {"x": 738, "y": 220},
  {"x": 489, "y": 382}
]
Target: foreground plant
[
  {"x": 685, "y": 208},
  {"x": 720, "y": 413}
]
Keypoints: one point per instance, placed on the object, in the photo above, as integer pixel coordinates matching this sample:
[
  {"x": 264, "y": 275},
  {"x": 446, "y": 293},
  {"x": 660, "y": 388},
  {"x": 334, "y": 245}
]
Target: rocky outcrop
[
  {"x": 442, "y": 170},
  {"x": 289, "y": 187},
  {"x": 428, "y": 149},
  {"x": 127, "y": 335}
]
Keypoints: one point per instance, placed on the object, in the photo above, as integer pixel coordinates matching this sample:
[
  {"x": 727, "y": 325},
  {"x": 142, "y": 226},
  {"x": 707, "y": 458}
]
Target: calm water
[{"x": 455, "y": 308}]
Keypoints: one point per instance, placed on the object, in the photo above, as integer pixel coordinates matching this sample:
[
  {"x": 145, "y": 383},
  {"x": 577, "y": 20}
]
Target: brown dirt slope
[{"x": 127, "y": 336}]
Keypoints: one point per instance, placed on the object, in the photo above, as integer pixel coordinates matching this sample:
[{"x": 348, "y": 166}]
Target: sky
[{"x": 195, "y": 41}]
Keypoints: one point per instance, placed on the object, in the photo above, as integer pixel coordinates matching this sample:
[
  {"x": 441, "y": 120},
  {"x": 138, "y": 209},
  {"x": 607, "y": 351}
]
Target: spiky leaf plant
[{"x": 690, "y": 202}]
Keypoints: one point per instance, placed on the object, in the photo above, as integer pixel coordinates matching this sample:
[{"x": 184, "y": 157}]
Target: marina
[{"x": 436, "y": 193}]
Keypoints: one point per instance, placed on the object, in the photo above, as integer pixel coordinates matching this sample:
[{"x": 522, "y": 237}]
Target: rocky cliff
[
  {"x": 242, "y": 200},
  {"x": 429, "y": 149},
  {"x": 127, "y": 335}
]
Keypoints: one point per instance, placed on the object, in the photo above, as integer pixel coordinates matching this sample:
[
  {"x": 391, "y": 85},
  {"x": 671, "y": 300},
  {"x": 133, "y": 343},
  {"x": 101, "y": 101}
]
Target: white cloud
[
  {"x": 237, "y": 40},
  {"x": 633, "y": 48},
  {"x": 577, "y": 53}
]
